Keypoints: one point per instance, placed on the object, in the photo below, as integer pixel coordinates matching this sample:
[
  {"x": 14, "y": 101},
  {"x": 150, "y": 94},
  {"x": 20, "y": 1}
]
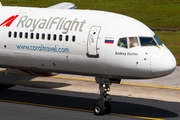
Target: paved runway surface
[
  {"x": 39, "y": 104},
  {"x": 66, "y": 98}
]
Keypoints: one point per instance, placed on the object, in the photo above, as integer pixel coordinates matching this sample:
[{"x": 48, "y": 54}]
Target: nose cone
[{"x": 162, "y": 63}]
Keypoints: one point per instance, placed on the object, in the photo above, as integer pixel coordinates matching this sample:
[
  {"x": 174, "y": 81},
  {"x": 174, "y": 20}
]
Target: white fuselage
[{"x": 31, "y": 40}]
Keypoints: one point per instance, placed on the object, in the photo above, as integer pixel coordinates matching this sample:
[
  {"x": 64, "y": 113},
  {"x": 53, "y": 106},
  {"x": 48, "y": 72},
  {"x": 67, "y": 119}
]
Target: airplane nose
[{"x": 163, "y": 63}]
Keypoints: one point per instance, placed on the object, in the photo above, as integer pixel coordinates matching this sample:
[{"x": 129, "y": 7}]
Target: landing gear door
[{"x": 92, "y": 41}]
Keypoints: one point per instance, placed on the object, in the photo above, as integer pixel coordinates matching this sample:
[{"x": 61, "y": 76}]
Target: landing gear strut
[{"x": 103, "y": 107}]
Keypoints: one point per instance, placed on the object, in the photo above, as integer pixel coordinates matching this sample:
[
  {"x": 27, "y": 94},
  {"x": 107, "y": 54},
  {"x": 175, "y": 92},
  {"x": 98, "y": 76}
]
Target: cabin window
[
  {"x": 9, "y": 34},
  {"x": 20, "y": 34},
  {"x": 15, "y": 34},
  {"x": 49, "y": 36},
  {"x": 43, "y": 36},
  {"x": 133, "y": 42},
  {"x": 37, "y": 36},
  {"x": 67, "y": 37},
  {"x": 122, "y": 42},
  {"x": 73, "y": 38},
  {"x": 147, "y": 41},
  {"x": 26, "y": 35},
  {"x": 54, "y": 37},
  {"x": 60, "y": 37},
  {"x": 32, "y": 35}
]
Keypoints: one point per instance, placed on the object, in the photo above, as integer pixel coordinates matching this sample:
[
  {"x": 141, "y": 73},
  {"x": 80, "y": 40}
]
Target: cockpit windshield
[
  {"x": 158, "y": 40},
  {"x": 122, "y": 42},
  {"x": 147, "y": 41},
  {"x": 130, "y": 42},
  {"x": 133, "y": 42}
]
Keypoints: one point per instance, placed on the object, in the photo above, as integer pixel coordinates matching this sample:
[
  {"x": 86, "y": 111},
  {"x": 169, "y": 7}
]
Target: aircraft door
[{"x": 92, "y": 41}]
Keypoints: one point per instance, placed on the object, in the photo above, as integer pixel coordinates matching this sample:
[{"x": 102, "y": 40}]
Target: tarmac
[{"x": 164, "y": 89}]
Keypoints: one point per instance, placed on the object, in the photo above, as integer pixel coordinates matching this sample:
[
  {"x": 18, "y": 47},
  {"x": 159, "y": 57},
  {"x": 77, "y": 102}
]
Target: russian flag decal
[{"x": 109, "y": 41}]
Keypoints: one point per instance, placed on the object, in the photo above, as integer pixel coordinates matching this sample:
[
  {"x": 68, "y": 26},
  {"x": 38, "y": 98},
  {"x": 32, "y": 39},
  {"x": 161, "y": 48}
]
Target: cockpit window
[
  {"x": 133, "y": 42},
  {"x": 158, "y": 40},
  {"x": 147, "y": 41},
  {"x": 122, "y": 42}
]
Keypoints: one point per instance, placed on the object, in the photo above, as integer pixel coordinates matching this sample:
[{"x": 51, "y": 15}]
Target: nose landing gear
[{"x": 103, "y": 107}]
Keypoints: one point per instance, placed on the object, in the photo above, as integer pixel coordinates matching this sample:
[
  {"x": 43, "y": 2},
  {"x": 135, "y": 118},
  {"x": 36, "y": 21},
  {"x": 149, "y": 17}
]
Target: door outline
[{"x": 92, "y": 42}]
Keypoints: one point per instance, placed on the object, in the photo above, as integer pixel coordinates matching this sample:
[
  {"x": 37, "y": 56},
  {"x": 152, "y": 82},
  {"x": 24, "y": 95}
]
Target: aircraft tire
[
  {"x": 108, "y": 107},
  {"x": 99, "y": 109}
]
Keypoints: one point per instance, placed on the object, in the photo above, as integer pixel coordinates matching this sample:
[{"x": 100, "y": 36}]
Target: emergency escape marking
[{"x": 93, "y": 40}]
